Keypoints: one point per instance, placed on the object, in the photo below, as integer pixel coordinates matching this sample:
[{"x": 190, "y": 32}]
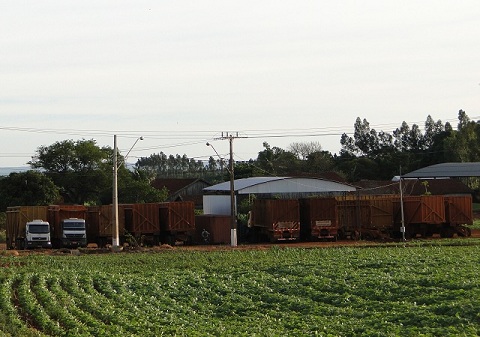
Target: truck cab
[
  {"x": 37, "y": 234},
  {"x": 74, "y": 233}
]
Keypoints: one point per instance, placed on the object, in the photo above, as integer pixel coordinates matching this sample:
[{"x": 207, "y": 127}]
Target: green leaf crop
[{"x": 344, "y": 291}]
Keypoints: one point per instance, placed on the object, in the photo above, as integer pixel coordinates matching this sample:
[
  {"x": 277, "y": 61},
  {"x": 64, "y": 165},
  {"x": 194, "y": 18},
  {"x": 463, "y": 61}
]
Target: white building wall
[{"x": 217, "y": 204}]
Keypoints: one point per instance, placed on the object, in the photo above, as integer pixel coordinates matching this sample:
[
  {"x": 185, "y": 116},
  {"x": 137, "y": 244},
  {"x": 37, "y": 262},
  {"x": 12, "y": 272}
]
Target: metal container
[
  {"x": 424, "y": 209},
  {"x": 177, "y": 216},
  {"x": 381, "y": 212},
  {"x": 17, "y": 217},
  {"x": 319, "y": 218},
  {"x": 142, "y": 219},
  {"x": 459, "y": 210},
  {"x": 101, "y": 228},
  {"x": 279, "y": 219},
  {"x": 218, "y": 227},
  {"x": 353, "y": 216}
]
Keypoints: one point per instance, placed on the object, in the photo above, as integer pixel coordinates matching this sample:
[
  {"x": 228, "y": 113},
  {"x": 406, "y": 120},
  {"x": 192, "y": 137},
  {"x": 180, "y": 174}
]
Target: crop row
[{"x": 338, "y": 291}]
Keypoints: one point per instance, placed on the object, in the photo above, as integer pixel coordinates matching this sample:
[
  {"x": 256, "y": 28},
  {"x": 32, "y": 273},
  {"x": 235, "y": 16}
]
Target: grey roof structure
[
  {"x": 446, "y": 170},
  {"x": 279, "y": 185}
]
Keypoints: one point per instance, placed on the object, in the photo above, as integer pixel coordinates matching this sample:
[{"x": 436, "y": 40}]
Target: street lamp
[
  {"x": 116, "y": 237},
  {"x": 219, "y": 157},
  {"x": 233, "y": 220}
]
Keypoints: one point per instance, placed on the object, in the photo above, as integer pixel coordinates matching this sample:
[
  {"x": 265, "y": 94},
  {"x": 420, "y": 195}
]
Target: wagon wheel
[
  {"x": 464, "y": 231},
  {"x": 368, "y": 236}
]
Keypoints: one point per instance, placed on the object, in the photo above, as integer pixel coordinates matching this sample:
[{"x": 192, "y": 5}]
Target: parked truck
[
  {"x": 68, "y": 225},
  {"x": 27, "y": 228},
  {"x": 37, "y": 234}
]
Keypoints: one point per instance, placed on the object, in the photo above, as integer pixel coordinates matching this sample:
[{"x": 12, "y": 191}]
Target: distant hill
[{"x": 5, "y": 171}]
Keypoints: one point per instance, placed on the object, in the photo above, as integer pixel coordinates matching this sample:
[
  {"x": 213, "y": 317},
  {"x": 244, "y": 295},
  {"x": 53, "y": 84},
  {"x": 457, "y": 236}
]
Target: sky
[{"x": 179, "y": 73}]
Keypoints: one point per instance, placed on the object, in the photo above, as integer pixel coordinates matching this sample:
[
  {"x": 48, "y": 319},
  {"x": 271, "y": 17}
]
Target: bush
[{"x": 3, "y": 220}]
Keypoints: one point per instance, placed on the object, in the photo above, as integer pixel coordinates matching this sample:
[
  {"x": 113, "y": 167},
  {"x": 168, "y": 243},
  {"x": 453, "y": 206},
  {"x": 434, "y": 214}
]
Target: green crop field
[{"x": 416, "y": 290}]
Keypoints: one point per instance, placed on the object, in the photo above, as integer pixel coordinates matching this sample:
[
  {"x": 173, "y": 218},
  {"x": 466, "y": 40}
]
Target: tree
[
  {"x": 467, "y": 139},
  {"x": 134, "y": 189},
  {"x": 83, "y": 173},
  {"x": 432, "y": 130},
  {"x": 408, "y": 139},
  {"x": 29, "y": 188},
  {"x": 244, "y": 169},
  {"x": 463, "y": 120},
  {"x": 319, "y": 161},
  {"x": 365, "y": 141},
  {"x": 155, "y": 164},
  {"x": 276, "y": 161},
  {"x": 81, "y": 169},
  {"x": 303, "y": 150}
]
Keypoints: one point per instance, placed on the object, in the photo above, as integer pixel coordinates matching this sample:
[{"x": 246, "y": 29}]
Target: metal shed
[
  {"x": 216, "y": 198},
  {"x": 446, "y": 170}
]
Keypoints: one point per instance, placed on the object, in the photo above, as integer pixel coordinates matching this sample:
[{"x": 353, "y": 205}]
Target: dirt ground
[{"x": 262, "y": 246}]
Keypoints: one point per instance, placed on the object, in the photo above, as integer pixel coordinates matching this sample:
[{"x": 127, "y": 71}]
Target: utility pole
[
  {"x": 233, "y": 209},
  {"x": 116, "y": 234},
  {"x": 402, "y": 228},
  {"x": 116, "y": 237}
]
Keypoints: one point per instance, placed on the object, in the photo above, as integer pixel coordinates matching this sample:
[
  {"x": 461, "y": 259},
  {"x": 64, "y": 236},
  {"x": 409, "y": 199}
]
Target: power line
[
  {"x": 195, "y": 134},
  {"x": 195, "y": 137}
]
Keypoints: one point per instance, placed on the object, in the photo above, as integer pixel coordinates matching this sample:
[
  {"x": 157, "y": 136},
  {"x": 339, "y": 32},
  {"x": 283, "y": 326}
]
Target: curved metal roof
[
  {"x": 280, "y": 185},
  {"x": 446, "y": 170}
]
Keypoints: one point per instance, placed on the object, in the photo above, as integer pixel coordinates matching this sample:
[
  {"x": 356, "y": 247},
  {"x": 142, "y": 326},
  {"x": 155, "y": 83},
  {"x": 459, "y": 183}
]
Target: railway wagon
[
  {"x": 428, "y": 215},
  {"x": 17, "y": 217},
  {"x": 379, "y": 222},
  {"x": 318, "y": 219},
  {"x": 142, "y": 222},
  {"x": 277, "y": 219},
  {"x": 366, "y": 216},
  {"x": 68, "y": 225},
  {"x": 177, "y": 222},
  {"x": 423, "y": 216},
  {"x": 101, "y": 228},
  {"x": 353, "y": 214},
  {"x": 163, "y": 222},
  {"x": 350, "y": 217},
  {"x": 459, "y": 213},
  {"x": 217, "y": 227}
]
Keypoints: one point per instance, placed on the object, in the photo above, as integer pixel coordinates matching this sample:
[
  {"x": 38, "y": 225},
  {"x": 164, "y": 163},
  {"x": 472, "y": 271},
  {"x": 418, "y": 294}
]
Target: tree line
[{"x": 80, "y": 172}]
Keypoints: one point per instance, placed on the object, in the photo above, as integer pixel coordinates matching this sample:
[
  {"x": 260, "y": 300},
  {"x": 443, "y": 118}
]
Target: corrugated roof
[
  {"x": 444, "y": 170},
  {"x": 280, "y": 185},
  {"x": 414, "y": 187},
  {"x": 241, "y": 183}
]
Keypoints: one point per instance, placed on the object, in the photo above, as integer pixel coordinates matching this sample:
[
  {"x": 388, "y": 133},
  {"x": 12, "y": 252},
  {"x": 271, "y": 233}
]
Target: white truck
[
  {"x": 73, "y": 233},
  {"x": 27, "y": 227},
  {"x": 37, "y": 234},
  {"x": 46, "y": 226}
]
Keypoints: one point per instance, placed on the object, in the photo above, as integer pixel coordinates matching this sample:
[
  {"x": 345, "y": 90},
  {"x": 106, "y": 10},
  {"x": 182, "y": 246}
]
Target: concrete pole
[
  {"x": 116, "y": 236},
  {"x": 233, "y": 220},
  {"x": 402, "y": 228}
]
